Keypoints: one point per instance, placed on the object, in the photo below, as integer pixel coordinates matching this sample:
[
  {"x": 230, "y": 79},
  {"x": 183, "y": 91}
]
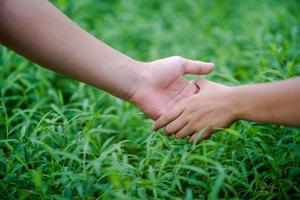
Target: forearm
[
  {"x": 52, "y": 40},
  {"x": 277, "y": 102}
]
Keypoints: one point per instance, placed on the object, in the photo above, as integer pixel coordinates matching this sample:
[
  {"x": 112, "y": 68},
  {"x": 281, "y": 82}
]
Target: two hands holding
[
  {"x": 41, "y": 33},
  {"x": 182, "y": 107},
  {"x": 165, "y": 95}
]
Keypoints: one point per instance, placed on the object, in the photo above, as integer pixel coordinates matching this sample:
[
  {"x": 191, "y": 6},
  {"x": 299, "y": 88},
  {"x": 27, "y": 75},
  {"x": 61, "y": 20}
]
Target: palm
[{"x": 166, "y": 86}]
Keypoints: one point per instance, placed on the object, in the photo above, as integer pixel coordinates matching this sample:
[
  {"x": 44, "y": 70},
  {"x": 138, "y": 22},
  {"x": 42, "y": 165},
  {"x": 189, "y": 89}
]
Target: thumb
[{"x": 197, "y": 67}]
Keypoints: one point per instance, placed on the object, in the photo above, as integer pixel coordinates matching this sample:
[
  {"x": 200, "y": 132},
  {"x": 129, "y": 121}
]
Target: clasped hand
[
  {"x": 198, "y": 116},
  {"x": 177, "y": 104}
]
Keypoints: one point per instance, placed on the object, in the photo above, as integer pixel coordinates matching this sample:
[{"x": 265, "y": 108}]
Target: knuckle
[
  {"x": 195, "y": 128},
  {"x": 192, "y": 126},
  {"x": 178, "y": 59}
]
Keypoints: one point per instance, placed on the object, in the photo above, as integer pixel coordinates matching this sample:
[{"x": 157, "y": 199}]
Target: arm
[
  {"x": 276, "y": 103},
  {"x": 41, "y": 33},
  {"x": 218, "y": 106}
]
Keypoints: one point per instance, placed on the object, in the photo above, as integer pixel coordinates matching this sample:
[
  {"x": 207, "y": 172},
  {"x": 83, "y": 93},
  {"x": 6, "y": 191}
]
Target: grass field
[{"x": 61, "y": 139}]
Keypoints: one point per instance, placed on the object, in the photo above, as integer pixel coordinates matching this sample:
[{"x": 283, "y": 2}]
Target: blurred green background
[{"x": 61, "y": 139}]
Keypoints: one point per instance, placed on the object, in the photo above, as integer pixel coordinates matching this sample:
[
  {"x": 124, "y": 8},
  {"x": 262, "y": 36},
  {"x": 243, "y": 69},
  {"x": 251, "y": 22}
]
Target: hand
[
  {"x": 212, "y": 107},
  {"x": 164, "y": 85}
]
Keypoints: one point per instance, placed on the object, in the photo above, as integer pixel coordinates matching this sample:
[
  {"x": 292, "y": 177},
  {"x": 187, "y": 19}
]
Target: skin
[
  {"x": 218, "y": 106},
  {"x": 42, "y": 34}
]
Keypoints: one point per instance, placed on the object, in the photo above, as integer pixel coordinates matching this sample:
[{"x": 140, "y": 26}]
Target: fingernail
[
  {"x": 153, "y": 127},
  {"x": 212, "y": 64}
]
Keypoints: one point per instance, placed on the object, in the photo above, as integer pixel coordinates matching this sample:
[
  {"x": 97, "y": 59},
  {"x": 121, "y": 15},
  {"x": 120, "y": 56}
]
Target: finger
[
  {"x": 197, "y": 67},
  {"x": 184, "y": 132},
  {"x": 201, "y": 135},
  {"x": 167, "y": 118},
  {"x": 189, "y": 130},
  {"x": 175, "y": 125}
]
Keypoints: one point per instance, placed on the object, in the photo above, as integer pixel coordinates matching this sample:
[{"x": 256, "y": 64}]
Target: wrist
[
  {"x": 240, "y": 108},
  {"x": 139, "y": 73}
]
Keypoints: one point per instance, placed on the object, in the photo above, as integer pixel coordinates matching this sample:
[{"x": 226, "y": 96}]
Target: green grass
[{"x": 61, "y": 139}]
